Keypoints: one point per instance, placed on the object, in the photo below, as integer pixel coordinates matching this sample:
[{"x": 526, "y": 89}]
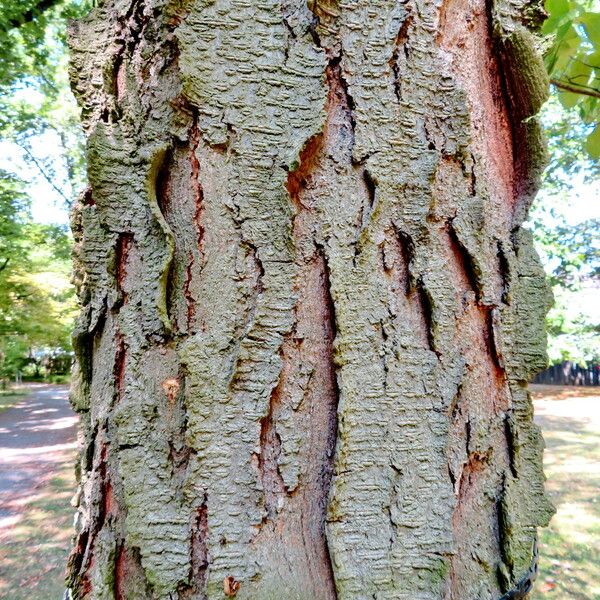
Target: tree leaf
[
  {"x": 557, "y": 10},
  {"x": 568, "y": 99},
  {"x": 592, "y": 143},
  {"x": 591, "y": 22}
]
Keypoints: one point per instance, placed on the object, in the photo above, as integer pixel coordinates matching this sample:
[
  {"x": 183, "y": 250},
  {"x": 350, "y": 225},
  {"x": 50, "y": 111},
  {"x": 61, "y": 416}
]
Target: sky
[{"x": 47, "y": 206}]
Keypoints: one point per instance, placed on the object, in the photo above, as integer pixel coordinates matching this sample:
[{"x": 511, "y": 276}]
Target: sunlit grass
[
  {"x": 34, "y": 550},
  {"x": 570, "y": 546},
  {"x": 9, "y": 398}
]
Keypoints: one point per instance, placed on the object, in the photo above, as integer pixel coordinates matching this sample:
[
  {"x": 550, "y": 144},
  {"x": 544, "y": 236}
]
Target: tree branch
[
  {"x": 45, "y": 175},
  {"x": 575, "y": 89}
]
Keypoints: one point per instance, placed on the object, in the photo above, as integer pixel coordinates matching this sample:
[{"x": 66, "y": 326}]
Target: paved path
[{"x": 36, "y": 436}]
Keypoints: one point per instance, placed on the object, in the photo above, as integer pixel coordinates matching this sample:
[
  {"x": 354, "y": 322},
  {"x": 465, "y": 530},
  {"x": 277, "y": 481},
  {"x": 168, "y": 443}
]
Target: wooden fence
[{"x": 568, "y": 373}]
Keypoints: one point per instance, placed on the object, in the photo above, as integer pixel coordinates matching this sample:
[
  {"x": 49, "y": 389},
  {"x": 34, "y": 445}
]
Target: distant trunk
[{"x": 309, "y": 308}]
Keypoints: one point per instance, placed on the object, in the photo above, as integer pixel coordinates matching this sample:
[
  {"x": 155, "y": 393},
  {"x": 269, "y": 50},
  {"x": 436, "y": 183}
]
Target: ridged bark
[{"x": 310, "y": 309}]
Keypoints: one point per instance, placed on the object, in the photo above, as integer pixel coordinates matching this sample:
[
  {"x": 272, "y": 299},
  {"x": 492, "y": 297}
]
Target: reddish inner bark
[{"x": 465, "y": 34}]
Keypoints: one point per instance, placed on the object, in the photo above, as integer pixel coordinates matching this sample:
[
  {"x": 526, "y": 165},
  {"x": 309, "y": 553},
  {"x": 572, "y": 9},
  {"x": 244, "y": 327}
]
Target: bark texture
[{"x": 309, "y": 307}]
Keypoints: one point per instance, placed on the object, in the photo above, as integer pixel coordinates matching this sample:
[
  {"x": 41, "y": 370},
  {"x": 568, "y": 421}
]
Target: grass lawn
[
  {"x": 34, "y": 553},
  {"x": 10, "y": 397},
  {"x": 570, "y": 546}
]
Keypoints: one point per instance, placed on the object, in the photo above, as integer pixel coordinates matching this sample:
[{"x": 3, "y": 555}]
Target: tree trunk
[{"x": 309, "y": 308}]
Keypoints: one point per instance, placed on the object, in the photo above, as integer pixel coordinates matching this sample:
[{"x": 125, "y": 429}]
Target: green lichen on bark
[
  {"x": 527, "y": 87},
  {"x": 528, "y": 78},
  {"x": 524, "y": 504}
]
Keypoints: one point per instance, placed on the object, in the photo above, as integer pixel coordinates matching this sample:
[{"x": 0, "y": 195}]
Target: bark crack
[
  {"x": 465, "y": 261},
  {"x": 509, "y": 434},
  {"x": 129, "y": 35},
  {"x": 337, "y": 81},
  {"x": 426, "y": 307},
  {"x": 119, "y": 366},
  {"x": 199, "y": 556},
  {"x": 406, "y": 248},
  {"x": 274, "y": 489},
  {"x": 187, "y": 292},
  {"x": 298, "y": 179},
  {"x": 401, "y": 44},
  {"x": 122, "y": 252},
  {"x": 329, "y": 469},
  {"x": 124, "y": 246}
]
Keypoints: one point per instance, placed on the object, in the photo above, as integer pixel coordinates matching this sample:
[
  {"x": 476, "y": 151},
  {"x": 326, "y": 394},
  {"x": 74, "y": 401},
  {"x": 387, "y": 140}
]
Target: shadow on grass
[
  {"x": 567, "y": 569},
  {"x": 8, "y": 398},
  {"x": 34, "y": 551},
  {"x": 569, "y": 547}
]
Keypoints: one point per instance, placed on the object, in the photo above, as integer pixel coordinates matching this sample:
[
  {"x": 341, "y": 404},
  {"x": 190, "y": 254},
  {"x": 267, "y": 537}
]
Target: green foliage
[
  {"x": 570, "y": 249},
  {"x": 34, "y": 90},
  {"x": 573, "y": 329},
  {"x": 566, "y": 134},
  {"x": 571, "y": 253},
  {"x": 573, "y": 63},
  {"x": 36, "y": 299}
]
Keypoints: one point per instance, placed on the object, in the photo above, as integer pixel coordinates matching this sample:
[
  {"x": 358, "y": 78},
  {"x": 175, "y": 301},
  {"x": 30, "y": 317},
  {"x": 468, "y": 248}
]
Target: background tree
[
  {"x": 570, "y": 249},
  {"x": 573, "y": 62},
  {"x": 310, "y": 309},
  {"x": 36, "y": 302},
  {"x": 34, "y": 92},
  {"x": 36, "y": 113},
  {"x": 571, "y": 253}
]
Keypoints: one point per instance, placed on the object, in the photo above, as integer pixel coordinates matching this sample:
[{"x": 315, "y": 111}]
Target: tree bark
[{"x": 310, "y": 309}]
